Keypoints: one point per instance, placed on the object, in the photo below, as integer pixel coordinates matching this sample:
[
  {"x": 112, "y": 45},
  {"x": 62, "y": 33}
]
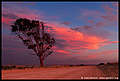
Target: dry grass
[
  {"x": 62, "y": 72},
  {"x": 110, "y": 70}
]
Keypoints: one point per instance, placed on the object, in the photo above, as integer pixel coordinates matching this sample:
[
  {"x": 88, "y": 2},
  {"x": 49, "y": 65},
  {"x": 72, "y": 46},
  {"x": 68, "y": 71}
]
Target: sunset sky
[{"x": 85, "y": 32}]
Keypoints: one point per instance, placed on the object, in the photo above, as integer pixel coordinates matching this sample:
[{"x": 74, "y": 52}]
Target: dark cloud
[
  {"x": 66, "y": 23},
  {"x": 61, "y": 44},
  {"x": 89, "y": 30}
]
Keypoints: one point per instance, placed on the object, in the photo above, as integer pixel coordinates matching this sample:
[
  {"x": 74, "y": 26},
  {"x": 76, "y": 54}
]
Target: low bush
[{"x": 101, "y": 64}]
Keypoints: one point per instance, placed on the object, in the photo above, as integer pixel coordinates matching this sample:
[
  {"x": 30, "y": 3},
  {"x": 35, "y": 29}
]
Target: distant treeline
[
  {"x": 108, "y": 63},
  {"x": 6, "y": 67}
]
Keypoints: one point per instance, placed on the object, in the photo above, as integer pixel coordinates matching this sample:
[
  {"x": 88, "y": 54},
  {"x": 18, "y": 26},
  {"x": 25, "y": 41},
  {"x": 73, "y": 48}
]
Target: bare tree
[{"x": 34, "y": 36}]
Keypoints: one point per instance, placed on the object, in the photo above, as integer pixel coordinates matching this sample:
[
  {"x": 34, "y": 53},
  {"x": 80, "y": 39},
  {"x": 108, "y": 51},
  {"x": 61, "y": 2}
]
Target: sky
[{"x": 85, "y": 32}]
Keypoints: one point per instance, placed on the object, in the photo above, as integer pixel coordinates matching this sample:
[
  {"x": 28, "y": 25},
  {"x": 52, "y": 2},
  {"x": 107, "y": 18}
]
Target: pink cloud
[
  {"x": 62, "y": 51},
  {"x": 72, "y": 39},
  {"x": 111, "y": 42},
  {"x": 91, "y": 21},
  {"x": 110, "y": 18},
  {"x": 108, "y": 8},
  {"x": 76, "y": 39},
  {"x": 29, "y": 16},
  {"x": 111, "y": 14},
  {"x": 11, "y": 12},
  {"x": 7, "y": 20},
  {"x": 100, "y": 24},
  {"x": 106, "y": 19}
]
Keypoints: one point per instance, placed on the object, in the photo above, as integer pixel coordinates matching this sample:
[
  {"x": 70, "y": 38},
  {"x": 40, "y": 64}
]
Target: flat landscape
[{"x": 66, "y": 72}]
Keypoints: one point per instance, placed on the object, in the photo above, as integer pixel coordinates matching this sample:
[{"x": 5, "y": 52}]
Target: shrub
[
  {"x": 81, "y": 64},
  {"x": 101, "y": 64},
  {"x": 20, "y": 67},
  {"x": 109, "y": 63},
  {"x": 8, "y": 67}
]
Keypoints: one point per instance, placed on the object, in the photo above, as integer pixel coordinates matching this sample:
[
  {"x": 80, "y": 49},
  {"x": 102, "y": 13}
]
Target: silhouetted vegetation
[
  {"x": 33, "y": 35},
  {"x": 101, "y": 64},
  {"x": 109, "y": 69},
  {"x": 81, "y": 64},
  {"x": 108, "y": 63},
  {"x": 8, "y": 67}
]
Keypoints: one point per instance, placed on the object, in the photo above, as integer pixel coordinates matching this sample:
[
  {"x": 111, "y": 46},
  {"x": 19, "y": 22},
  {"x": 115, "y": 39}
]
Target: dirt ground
[{"x": 74, "y": 72}]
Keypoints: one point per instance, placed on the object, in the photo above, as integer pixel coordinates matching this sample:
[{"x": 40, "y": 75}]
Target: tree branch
[{"x": 47, "y": 54}]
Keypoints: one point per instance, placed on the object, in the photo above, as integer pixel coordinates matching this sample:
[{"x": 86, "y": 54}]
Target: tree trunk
[{"x": 41, "y": 62}]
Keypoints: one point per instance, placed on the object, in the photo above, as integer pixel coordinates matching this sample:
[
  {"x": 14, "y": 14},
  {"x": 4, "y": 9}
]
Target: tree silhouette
[{"x": 34, "y": 36}]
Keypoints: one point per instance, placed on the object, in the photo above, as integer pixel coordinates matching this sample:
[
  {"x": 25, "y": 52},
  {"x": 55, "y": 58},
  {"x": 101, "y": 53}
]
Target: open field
[{"x": 67, "y": 72}]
